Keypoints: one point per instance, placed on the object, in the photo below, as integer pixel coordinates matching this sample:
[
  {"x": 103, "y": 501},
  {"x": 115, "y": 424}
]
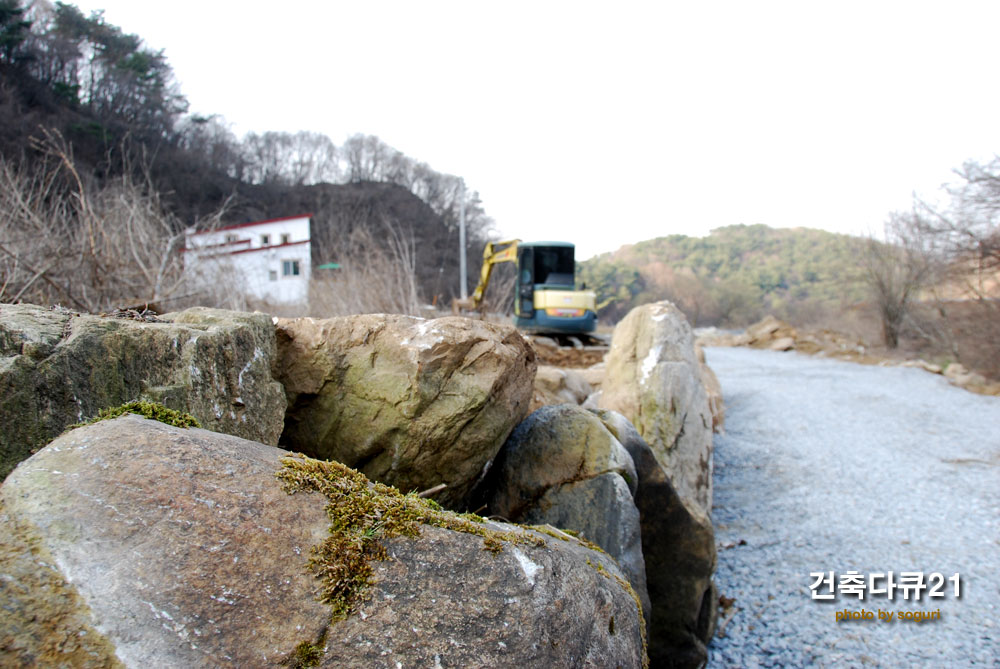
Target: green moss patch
[
  {"x": 307, "y": 655},
  {"x": 150, "y": 410},
  {"x": 364, "y": 514}
]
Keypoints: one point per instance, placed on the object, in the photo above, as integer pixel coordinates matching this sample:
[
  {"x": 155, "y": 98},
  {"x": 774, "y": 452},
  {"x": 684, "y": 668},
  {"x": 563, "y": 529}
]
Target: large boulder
[
  {"x": 653, "y": 378},
  {"x": 678, "y": 545},
  {"x": 132, "y": 543},
  {"x": 410, "y": 402},
  {"x": 562, "y": 467},
  {"x": 58, "y": 368}
]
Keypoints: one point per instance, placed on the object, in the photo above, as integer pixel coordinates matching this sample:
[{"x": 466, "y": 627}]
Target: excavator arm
[{"x": 494, "y": 253}]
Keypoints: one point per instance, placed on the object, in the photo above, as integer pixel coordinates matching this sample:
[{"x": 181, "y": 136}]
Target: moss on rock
[
  {"x": 307, "y": 654},
  {"x": 151, "y": 410},
  {"x": 364, "y": 514}
]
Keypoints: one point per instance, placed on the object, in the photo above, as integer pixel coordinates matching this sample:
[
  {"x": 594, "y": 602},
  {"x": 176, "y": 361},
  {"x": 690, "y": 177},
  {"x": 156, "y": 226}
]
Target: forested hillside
[
  {"x": 101, "y": 170},
  {"x": 731, "y": 277}
]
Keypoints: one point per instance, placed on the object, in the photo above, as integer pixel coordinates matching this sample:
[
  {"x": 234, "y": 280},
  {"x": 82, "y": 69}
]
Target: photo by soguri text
[{"x": 887, "y": 616}]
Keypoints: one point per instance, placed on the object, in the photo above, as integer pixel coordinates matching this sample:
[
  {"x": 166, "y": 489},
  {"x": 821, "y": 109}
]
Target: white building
[{"x": 265, "y": 260}]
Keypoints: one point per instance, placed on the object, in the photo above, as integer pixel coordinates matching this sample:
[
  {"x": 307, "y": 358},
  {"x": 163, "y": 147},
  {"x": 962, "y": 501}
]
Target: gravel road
[{"x": 833, "y": 466}]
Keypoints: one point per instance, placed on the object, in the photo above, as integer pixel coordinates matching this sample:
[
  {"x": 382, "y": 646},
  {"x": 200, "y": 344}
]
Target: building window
[
  {"x": 290, "y": 268},
  {"x": 272, "y": 275},
  {"x": 230, "y": 239},
  {"x": 286, "y": 238},
  {"x": 265, "y": 240}
]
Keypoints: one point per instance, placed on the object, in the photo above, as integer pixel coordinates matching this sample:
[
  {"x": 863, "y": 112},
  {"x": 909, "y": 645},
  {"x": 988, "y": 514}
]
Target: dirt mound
[{"x": 550, "y": 352}]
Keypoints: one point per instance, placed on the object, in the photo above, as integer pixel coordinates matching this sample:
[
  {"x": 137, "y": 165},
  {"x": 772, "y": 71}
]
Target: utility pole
[{"x": 461, "y": 244}]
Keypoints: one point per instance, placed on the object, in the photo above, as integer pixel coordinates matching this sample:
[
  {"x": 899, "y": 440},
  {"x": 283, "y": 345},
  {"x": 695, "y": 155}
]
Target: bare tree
[
  {"x": 969, "y": 231},
  {"x": 292, "y": 159},
  {"x": 367, "y": 158},
  {"x": 896, "y": 269}
]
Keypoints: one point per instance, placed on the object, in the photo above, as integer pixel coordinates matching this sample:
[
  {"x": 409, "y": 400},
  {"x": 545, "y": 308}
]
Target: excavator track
[{"x": 575, "y": 351}]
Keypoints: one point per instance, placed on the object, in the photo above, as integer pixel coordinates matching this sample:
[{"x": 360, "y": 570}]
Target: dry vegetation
[
  {"x": 64, "y": 239},
  {"x": 384, "y": 282}
]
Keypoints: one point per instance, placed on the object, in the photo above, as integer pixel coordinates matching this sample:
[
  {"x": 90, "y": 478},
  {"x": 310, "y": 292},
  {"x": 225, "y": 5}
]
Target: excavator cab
[{"x": 547, "y": 299}]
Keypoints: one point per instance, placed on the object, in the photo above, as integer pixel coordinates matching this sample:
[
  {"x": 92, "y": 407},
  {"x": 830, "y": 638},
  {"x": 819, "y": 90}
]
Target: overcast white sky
[{"x": 609, "y": 123}]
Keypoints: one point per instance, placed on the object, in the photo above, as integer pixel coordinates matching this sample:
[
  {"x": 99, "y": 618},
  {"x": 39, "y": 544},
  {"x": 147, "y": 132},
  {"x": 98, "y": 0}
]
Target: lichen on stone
[
  {"x": 561, "y": 535},
  {"x": 46, "y": 622},
  {"x": 627, "y": 587},
  {"x": 151, "y": 410},
  {"x": 585, "y": 542},
  {"x": 364, "y": 514},
  {"x": 642, "y": 618}
]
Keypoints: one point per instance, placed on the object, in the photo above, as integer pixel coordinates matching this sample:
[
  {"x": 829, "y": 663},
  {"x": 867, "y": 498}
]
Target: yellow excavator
[{"x": 545, "y": 300}]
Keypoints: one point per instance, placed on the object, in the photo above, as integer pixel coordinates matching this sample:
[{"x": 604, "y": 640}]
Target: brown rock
[
  {"x": 955, "y": 371},
  {"x": 594, "y": 375},
  {"x": 782, "y": 344},
  {"x": 409, "y": 402},
  {"x": 559, "y": 386},
  {"x": 930, "y": 367},
  {"x": 179, "y": 546},
  {"x": 132, "y": 543},
  {"x": 766, "y": 331}
]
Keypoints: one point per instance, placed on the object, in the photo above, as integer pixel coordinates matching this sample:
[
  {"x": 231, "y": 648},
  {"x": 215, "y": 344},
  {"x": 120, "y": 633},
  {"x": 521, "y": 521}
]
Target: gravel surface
[{"x": 832, "y": 466}]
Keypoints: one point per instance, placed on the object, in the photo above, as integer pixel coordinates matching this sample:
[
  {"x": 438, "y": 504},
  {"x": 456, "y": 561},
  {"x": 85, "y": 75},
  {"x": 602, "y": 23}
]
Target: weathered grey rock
[
  {"x": 409, "y": 402},
  {"x": 678, "y": 545},
  {"x": 58, "y": 368},
  {"x": 554, "y": 385},
  {"x": 133, "y": 543},
  {"x": 653, "y": 379},
  {"x": 713, "y": 390},
  {"x": 554, "y": 445},
  {"x": 562, "y": 467},
  {"x": 465, "y": 607}
]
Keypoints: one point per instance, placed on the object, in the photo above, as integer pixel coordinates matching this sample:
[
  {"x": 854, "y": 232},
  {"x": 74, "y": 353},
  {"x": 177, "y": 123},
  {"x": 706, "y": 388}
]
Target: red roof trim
[{"x": 247, "y": 225}]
